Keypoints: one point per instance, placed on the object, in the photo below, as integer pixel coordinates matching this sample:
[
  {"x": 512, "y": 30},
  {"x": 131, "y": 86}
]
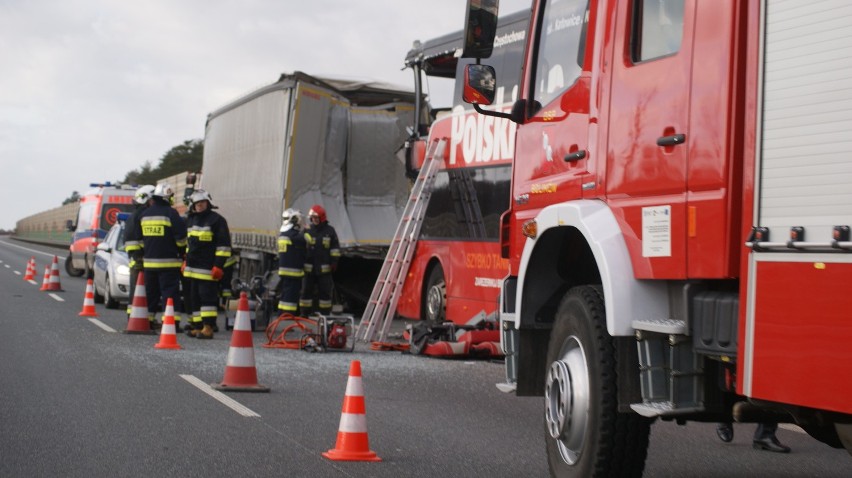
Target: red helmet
[{"x": 317, "y": 210}]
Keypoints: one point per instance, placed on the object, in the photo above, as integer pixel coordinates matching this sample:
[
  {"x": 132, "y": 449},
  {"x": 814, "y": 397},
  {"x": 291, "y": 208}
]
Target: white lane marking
[
  {"x": 226, "y": 400},
  {"x": 30, "y": 250},
  {"x": 7, "y": 266},
  {"x": 60, "y": 299},
  {"x": 17, "y": 273},
  {"x": 102, "y": 325},
  {"x": 791, "y": 427},
  {"x": 32, "y": 282}
]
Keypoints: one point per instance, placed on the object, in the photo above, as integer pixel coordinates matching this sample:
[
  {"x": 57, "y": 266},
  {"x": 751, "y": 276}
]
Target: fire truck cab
[
  {"x": 678, "y": 235},
  {"x": 99, "y": 208}
]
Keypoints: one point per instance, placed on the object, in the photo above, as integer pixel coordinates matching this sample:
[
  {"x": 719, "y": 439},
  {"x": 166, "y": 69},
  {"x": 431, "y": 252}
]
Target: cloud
[{"x": 92, "y": 89}]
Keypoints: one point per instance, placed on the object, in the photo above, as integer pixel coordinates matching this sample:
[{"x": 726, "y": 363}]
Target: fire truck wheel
[
  {"x": 69, "y": 268},
  {"x": 435, "y": 303},
  {"x": 585, "y": 434}
]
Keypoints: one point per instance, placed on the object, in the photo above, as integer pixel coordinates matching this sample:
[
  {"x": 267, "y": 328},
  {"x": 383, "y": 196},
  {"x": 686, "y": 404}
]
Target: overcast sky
[{"x": 92, "y": 89}]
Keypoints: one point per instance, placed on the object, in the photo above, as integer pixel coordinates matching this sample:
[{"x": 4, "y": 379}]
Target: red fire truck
[
  {"x": 679, "y": 232},
  {"x": 455, "y": 272}
]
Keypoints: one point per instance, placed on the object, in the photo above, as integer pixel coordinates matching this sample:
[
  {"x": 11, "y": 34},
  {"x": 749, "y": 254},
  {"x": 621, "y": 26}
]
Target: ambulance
[{"x": 99, "y": 209}]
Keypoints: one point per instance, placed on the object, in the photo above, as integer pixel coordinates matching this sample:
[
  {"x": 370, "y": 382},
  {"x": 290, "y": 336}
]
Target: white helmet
[
  {"x": 164, "y": 191},
  {"x": 143, "y": 194},
  {"x": 290, "y": 218},
  {"x": 201, "y": 195}
]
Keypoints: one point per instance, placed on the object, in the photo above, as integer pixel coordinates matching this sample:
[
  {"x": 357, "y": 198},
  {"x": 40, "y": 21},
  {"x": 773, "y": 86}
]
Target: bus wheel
[
  {"x": 69, "y": 268},
  {"x": 585, "y": 435},
  {"x": 435, "y": 303}
]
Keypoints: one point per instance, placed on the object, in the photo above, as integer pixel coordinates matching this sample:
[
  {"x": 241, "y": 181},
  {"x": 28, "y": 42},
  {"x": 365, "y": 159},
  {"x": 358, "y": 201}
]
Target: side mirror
[
  {"x": 103, "y": 247},
  {"x": 69, "y": 225},
  {"x": 480, "y": 83},
  {"x": 480, "y": 28}
]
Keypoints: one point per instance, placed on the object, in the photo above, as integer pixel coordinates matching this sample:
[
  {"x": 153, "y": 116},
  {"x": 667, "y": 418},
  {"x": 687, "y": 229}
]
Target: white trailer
[{"x": 302, "y": 141}]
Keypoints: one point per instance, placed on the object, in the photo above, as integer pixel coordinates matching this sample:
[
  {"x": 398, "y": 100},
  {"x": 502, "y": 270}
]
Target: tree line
[{"x": 186, "y": 156}]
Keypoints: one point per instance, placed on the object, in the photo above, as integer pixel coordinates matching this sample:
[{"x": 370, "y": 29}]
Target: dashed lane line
[
  {"x": 224, "y": 399},
  {"x": 102, "y": 325},
  {"x": 56, "y": 297}
]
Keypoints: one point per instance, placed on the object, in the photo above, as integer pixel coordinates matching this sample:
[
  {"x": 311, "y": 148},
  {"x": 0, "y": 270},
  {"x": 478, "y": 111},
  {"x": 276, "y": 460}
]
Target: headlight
[{"x": 122, "y": 270}]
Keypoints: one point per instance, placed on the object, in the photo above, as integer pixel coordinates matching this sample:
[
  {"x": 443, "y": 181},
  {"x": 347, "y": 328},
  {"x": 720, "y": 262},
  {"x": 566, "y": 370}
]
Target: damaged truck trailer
[{"x": 305, "y": 140}]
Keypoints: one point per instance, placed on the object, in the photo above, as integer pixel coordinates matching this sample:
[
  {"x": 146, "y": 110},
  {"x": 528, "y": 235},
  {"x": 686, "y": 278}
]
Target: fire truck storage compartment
[{"x": 715, "y": 323}]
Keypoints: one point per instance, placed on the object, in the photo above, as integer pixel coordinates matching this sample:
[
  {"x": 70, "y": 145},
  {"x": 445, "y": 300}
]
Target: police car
[{"x": 111, "y": 274}]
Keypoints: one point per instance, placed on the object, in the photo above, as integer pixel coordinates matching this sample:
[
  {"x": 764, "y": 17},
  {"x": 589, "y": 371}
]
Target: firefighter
[
  {"x": 291, "y": 261},
  {"x": 764, "y": 436},
  {"x": 209, "y": 247},
  {"x": 142, "y": 198},
  {"x": 163, "y": 235},
  {"x": 323, "y": 252}
]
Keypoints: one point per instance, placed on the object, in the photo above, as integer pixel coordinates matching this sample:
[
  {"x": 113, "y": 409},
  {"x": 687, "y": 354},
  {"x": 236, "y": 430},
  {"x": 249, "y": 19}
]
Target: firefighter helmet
[
  {"x": 201, "y": 195},
  {"x": 290, "y": 218},
  {"x": 164, "y": 191},
  {"x": 143, "y": 194},
  {"x": 317, "y": 211}
]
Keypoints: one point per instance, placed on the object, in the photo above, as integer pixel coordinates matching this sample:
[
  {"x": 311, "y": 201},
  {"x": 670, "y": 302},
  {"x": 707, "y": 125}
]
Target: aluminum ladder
[{"x": 381, "y": 308}]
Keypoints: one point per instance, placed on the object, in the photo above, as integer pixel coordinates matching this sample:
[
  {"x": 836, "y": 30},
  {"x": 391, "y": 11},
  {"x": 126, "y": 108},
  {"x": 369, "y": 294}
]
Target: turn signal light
[{"x": 530, "y": 229}]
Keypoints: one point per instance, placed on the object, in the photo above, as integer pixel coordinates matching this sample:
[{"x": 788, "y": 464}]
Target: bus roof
[{"x": 437, "y": 57}]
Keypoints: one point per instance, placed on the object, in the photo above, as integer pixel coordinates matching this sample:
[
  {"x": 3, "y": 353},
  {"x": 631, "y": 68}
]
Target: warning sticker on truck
[{"x": 657, "y": 231}]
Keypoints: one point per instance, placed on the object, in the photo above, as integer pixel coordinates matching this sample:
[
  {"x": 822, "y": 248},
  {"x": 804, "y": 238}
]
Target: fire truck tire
[
  {"x": 585, "y": 435},
  {"x": 69, "y": 268},
  {"x": 109, "y": 300},
  {"x": 435, "y": 297}
]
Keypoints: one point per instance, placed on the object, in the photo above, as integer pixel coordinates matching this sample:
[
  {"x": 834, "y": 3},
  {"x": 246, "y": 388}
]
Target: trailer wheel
[
  {"x": 585, "y": 435},
  {"x": 69, "y": 268},
  {"x": 435, "y": 297}
]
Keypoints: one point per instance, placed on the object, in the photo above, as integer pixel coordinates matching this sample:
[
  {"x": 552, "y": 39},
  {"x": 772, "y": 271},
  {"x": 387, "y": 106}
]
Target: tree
[
  {"x": 75, "y": 196},
  {"x": 183, "y": 157},
  {"x": 186, "y": 156}
]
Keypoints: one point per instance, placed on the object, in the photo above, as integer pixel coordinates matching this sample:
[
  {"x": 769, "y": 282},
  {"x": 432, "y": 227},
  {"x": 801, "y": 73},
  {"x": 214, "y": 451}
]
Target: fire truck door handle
[
  {"x": 575, "y": 156},
  {"x": 671, "y": 140}
]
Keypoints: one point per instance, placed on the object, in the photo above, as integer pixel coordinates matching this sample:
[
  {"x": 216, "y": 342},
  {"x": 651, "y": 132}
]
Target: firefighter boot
[
  {"x": 205, "y": 333},
  {"x": 192, "y": 331}
]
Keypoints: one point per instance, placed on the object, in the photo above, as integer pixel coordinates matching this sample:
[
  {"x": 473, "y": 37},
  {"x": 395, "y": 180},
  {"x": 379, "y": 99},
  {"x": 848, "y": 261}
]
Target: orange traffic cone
[
  {"x": 240, "y": 372},
  {"x": 168, "y": 335},
  {"x": 89, "y": 301},
  {"x": 46, "y": 282},
  {"x": 352, "y": 441},
  {"x": 138, "y": 323},
  {"x": 31, "y": 269},
  {"x": 54, "y": 284}
]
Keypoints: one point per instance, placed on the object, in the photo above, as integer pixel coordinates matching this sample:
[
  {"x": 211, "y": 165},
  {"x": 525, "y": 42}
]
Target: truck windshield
[{"x": 560, "y": 50}]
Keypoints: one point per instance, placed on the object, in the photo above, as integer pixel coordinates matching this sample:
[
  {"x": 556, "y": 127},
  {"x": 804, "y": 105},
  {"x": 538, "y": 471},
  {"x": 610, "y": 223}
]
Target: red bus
[{"x": 456, "y": 270}]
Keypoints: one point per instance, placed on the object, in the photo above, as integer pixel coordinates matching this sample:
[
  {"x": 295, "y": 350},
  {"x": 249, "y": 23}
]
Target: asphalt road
[{"x": 78, "y": 398}]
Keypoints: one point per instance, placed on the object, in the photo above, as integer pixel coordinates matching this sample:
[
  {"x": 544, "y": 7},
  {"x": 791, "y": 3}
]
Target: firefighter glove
[
  {"x": 217, "y": 273},
  {"x": 182, "y": 268}
]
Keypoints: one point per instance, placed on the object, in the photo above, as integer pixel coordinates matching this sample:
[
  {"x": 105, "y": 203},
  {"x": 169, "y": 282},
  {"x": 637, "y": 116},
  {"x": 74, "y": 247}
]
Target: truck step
[
  {"x": 662, "y": 326},
  {"x": 661, "y": 409}
]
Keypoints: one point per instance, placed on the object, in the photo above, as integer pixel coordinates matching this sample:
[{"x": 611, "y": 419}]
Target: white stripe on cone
[
  {"x": 169, "y": 329},
  {"x": 353, "y": 423},
  {"x": 355, "y": 387},
  {"x": 241, "y": 357}
]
